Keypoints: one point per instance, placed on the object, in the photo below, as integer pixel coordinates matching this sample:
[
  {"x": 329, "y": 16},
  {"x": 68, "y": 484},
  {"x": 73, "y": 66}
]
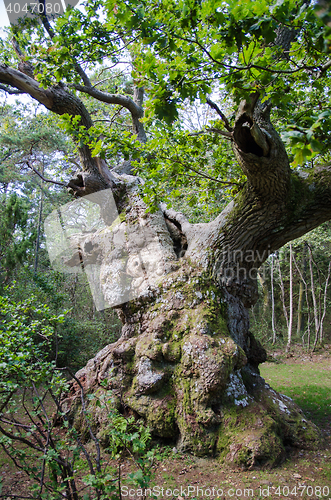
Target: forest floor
[{"x": 306, "y": 377}]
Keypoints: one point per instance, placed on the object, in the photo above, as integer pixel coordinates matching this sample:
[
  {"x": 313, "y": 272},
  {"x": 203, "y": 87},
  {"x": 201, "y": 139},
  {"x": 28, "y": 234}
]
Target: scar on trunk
[{"x": 177, "y": 236}]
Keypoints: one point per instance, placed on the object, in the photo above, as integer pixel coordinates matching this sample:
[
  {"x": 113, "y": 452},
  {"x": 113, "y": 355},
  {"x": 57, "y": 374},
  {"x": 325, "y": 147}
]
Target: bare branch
[
  {"x": 19, "y": 438},
  {"x": 214, "y": 106},
  {"x": 11, "y": 91},
  {"x": 93, "y": 437},
  {"x": 58, "y": 183},
  {"x": 227, "y": 183},
  {"x": 4, "y": 404},
  {"x": 218, "y": 131}
]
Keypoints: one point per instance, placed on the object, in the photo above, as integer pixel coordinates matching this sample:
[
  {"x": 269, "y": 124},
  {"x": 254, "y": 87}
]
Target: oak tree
[{"x": 186, "y": 361}]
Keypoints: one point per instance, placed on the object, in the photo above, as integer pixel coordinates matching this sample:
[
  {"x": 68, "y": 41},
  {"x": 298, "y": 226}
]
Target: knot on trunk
[
  {"x": 85, "y": 183},
  {"x": 260, "y": 150}
]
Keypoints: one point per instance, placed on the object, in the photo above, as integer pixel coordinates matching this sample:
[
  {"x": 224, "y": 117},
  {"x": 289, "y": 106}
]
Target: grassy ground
[
  {"x": 305, "y": 474},
  {"x": 307, "y": 381}
]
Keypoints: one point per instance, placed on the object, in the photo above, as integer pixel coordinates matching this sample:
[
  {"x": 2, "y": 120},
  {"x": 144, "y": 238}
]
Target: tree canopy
[{"x": 152, "y": 59}]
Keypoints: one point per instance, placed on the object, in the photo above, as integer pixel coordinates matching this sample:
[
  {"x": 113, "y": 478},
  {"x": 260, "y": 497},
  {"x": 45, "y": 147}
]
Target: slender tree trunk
[
  {"x": 319, "y": 308},
  {"x": 265, "y": 291},
  {"x": 300, "y": 307},
  {"x": 313, "y": 294},
  {"x": 300, "y": 322},
  {"x": 39, "y": 224},
  {"x": 282, "y": 293},
  {"x": 290, "y": 321},
  {"x": 273, "y": 326},
  {"x": 325, "y": 302},
  {"x": 303, "y": 281}
]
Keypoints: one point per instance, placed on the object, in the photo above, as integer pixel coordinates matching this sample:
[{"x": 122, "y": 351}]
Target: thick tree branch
[
  {"x": 26, "y": 84},
  {"x": 308, "y": 207},
  {"x": 124, "y": 101},
  {"x": 260, "y": 151},
  {"x": 251, "y": 227},
  {"x": 59, "y": 100},
  {"x": 11, "y": 91},
  {"x": 58, "y": 183},
  {"x": 133, "y": 105},
  {"x": 177, "y": 217}
]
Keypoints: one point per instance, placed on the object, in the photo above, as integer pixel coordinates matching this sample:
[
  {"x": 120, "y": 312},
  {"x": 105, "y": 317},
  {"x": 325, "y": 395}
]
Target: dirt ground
[{"x": 303, "y": 474}]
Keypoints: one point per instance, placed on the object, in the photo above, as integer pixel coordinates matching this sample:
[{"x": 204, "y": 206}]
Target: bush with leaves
[{"x": 35, "y": 431}]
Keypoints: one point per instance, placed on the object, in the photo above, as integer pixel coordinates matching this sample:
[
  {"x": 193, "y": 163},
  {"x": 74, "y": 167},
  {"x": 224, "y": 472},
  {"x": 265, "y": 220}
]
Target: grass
[{"x": 308, "y": 384}]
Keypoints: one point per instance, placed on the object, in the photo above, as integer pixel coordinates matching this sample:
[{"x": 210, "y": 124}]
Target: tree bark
[{"x": 186, "y": 361}]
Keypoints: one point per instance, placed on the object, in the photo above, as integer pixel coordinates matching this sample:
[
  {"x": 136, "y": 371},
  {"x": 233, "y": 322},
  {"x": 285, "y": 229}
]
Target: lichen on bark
[{"x": 187, "y": 364}]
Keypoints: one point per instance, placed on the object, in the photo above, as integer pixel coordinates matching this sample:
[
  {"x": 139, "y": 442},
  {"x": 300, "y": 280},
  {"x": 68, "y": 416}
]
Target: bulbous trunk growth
[
  {"x": 186, "y": 361},
  {"x": 188, "y": 365}
]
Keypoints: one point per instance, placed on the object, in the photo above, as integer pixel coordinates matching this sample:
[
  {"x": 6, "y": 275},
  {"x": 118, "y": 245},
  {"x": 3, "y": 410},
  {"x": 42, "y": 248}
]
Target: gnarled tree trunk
[{"x": 186, "y": 361}]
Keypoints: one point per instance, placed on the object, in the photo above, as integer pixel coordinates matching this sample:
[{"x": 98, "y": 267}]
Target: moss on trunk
[{"x": 187, "y": 364}]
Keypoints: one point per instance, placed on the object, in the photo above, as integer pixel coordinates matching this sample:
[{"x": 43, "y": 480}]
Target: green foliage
[
  {"x": 235, "y": 38},
  {"x": 184, "y": 51},
  {"x": 83, "y": 331},
  {"x": 180, "y": 166},
  {"x": 186, "y": 47},
  {"x": 17, "y": 235},
  {"x": 124, "y": 436},
  {"x": 27, "y": 140},
  {"x": 26, "y": 331},
  {"x": 181, "y": 52},
  {"x": 61, "y": 463},
  {"x": 323, "y": 11}
]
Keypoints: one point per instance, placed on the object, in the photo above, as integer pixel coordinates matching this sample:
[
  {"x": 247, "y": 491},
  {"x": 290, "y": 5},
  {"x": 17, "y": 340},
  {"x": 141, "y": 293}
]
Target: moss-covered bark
[{"x": 187, "y": 364}]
